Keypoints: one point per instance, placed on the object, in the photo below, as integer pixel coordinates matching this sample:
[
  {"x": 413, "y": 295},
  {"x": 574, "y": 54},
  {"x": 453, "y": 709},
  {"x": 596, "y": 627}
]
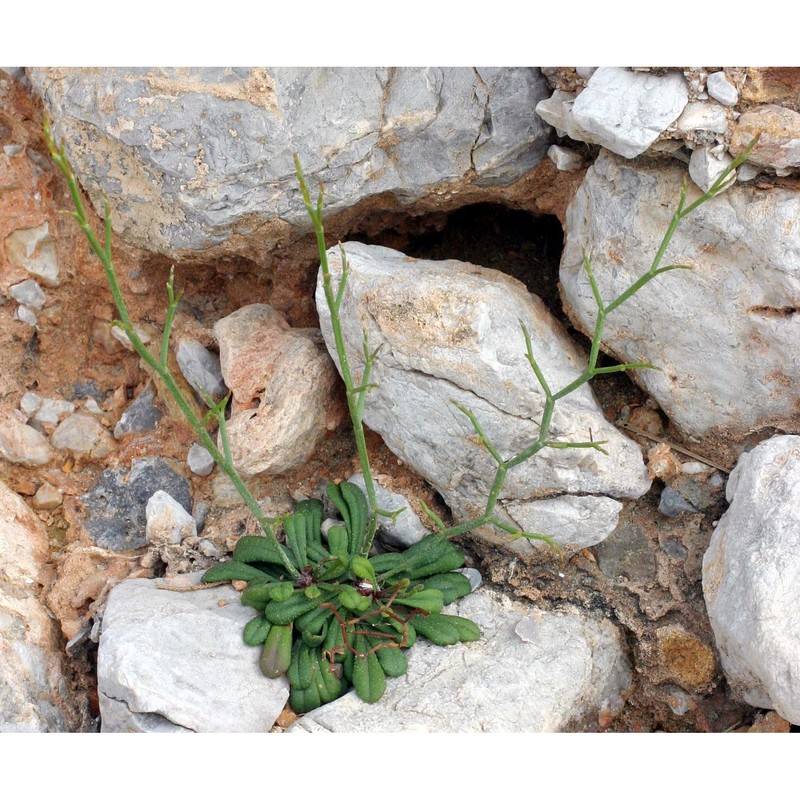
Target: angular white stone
[
  {"x": 725, "y": 337},
  {"x": 176, "y": 660},
  {"x": 168, "y": 522},
  {"x": 28, "y": 293},
  {"x": 450, "y": 332},
  {"x": 627, "y": 111},
  {"x": 532, "y": 671},
  {"x": 751, "y": 572},
  {"x": 45, "y": 410},
  {"x": 705, "y": 168},
  {"x": 34, "y": 250},
  {"x": 564, "y": 158},
  {"x": 702, "y": 117},
  {"x": 721, "y": 89}
]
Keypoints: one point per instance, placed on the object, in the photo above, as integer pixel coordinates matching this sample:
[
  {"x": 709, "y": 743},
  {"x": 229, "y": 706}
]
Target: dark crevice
[
  {"x": 773, "y": 311},
  {"x": 522, "y": 245}
]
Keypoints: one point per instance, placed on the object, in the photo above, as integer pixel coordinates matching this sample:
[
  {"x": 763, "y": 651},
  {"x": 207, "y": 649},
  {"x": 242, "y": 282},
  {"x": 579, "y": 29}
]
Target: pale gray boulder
[
  {"x": 723, "y": 334},
  {"x": 187, "y": 157},
  {"x": 450, "y": 332},
  {"x": 532, "y": 671},
  {"x": 175, "y": 661},
  {"x": 751, "y": 572}
]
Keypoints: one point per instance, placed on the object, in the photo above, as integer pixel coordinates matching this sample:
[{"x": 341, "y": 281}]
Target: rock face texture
[
  {"x": 283, "y": 389},
  {"x": 531, "y": 672},
  {"x": 188, "y": 156},
  {"x": 724, "y": 333},
  {"x": 750, "y": 577},
  {"x": 34, "y": 693},
  {"x": 200, "y": 677},
  {"x": 450, "y": 332}
]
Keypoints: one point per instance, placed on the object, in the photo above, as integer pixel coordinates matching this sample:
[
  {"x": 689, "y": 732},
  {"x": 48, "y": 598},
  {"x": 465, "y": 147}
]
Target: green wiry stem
[
  {"x": 592, "y": 370},
  {"x": 159, "y": 365},
  {"x": 355, "y": 394}
]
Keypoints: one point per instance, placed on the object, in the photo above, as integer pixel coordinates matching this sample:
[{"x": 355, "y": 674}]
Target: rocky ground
[{"x": 87, "y": 439}]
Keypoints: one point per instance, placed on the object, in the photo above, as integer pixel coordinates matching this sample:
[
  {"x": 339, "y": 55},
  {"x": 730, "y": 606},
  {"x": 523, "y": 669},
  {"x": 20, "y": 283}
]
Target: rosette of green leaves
[{"x": 348, "y": 619}]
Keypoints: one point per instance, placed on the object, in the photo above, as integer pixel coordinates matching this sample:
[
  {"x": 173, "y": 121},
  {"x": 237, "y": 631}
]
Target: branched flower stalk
[
  {"x": 488, "y": 517},
  {"x": 356, "y": 394},
  {"x": 159, "y": 365}
]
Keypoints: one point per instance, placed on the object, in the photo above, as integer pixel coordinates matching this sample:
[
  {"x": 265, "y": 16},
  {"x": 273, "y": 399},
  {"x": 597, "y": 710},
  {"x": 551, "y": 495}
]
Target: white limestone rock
[
  {"x": 28, "y": 293},
  {"x": 532, "y": 671},
  {"x": 450, "y": 332},
  {"x": 705, "y": 167},
  {"x": 702, "y": 117},
  {"x": 751, "y": 572},
  {"x": 168, "y": 522},
  {"x": 34, "y": 250},
  {"x": 720, "y": 87},
  {"x": 406, "y": 529},
  {"x": 564, "y": 158},
  {"x": 199, "y": 460},
  {"x": 723, "y": 334},
  {"x": 175, "y": 661},
  {"x": 627, "y": 111}
]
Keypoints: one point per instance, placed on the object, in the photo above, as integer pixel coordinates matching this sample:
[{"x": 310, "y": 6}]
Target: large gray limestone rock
[
  {"x": 724, "y": 334},
  {"x": 450, "y": 332},
  {"x": 187, "y": 157},
  {"x": 532, "y": 671},
  {"x": 751, "y": 574},
  {"x": 34, "y": 693},
  {"x": 175, "y": 661}
]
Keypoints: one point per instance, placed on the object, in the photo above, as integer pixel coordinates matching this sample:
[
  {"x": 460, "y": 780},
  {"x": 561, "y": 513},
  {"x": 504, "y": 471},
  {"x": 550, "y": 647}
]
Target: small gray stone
[
  {"x": 29, "y": 293},
  {"x": 672, "y": 503},
  {"x": 114, "y": 508},
  {"x": 47, "y": 497},
  {"x": 475, "y": 578},
  {"x": 187, "y": 668},
  {"x": 199, "y": 460},
  {"x": 82, "y": 433},
  {"x": 627, "y": 111},
  {"x": 565, "y": 668},
  {"x": 565, "y": 159},
  {"x": 721, "y": 89},
  {"x": 406, "y": 529},
  {"x": 26, "y": 315},
  {"x": 168, "y": 522},
  {"x": 141, "y": 415},
  {"x": 626, "y": 555},
  {"x": 34, "y": 250},
  {"x": 201, "y": 368},
  {"x": 44, "y": 410}
]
